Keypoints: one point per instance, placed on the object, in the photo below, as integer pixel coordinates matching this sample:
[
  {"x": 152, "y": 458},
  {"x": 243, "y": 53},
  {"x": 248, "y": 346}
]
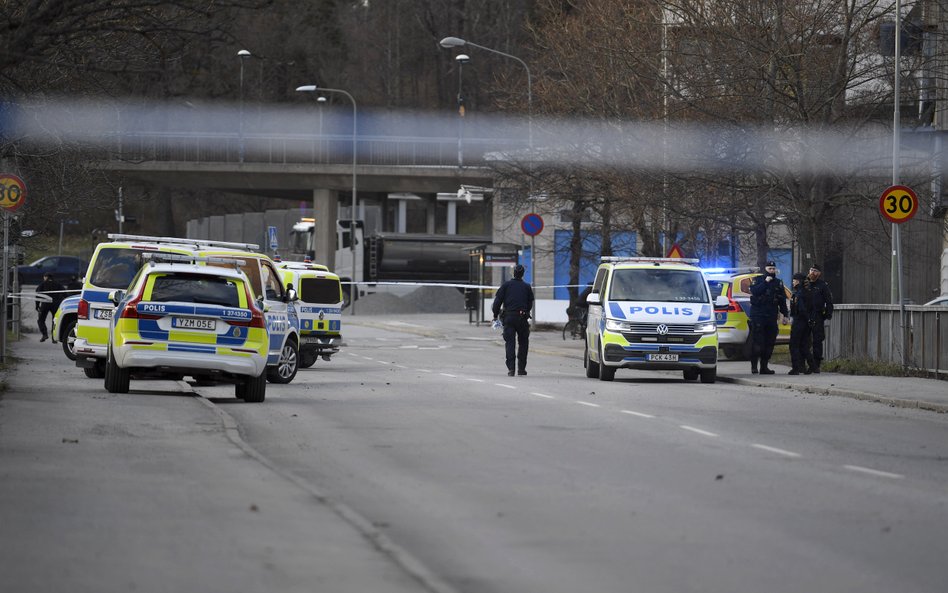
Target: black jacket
[
  {"x": 51, "y": 286},
  {"x": 513, "y": 295},
  {"x": 821, "y": 299},
  {"x": 767, "y": 298},
  {"x": 800, "y": 304}
]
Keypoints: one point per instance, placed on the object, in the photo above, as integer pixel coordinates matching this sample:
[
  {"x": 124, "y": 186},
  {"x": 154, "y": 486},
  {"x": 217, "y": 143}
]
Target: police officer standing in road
[
  {"x": 52, "y": 289},
  {"x": 767, "y": 299},
  {"x": 512, "y": 304},
  {"x": 800, "y": 354},
  {"x": 821, "y": 304}
]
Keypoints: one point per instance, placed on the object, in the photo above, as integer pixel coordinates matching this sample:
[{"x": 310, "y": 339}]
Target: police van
[
  {"x": 652, "y": 314},
  {"x": 278, "y": 305},
  {"x": 112, "y": 267},
  {"x": 319, "y": 306}
]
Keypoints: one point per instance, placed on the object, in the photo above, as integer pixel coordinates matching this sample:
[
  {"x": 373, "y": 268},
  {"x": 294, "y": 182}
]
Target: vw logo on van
[{"x": 662, "y": 329}]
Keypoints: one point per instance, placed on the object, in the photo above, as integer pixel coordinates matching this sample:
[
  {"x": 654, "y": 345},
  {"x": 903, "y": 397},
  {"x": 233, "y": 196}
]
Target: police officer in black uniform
[
  {"x": 821, "y": 304},
  {"x": 512, "y": 304},
  {"x": 801, "y": 356},
  {"x": 52, "y": 289},
  {"x": 767, "y": 299}
]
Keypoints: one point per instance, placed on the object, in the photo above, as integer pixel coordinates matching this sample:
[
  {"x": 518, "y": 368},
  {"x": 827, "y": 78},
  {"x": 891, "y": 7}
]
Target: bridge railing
[
  {"x": 288, "y": 149},
  {"x": 871, "y": 332}
]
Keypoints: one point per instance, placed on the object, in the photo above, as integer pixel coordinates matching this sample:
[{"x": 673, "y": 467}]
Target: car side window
[
  {"x": 599, "y": 281},
  {"x": 272, "y": 286}
]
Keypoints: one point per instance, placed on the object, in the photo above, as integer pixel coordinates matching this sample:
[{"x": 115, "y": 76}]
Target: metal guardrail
[
  {"x": 286, "y": 149},
  {"x": 871, "y": 332}
]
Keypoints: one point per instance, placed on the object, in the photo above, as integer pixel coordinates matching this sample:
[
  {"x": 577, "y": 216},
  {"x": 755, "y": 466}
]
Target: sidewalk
[{"x": 903, "y": 392}]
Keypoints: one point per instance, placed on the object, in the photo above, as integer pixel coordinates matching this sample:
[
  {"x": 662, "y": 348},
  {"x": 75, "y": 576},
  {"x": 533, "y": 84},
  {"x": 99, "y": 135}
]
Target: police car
[
  {"x": 319, "y": 306},
  {"x": 732, "y": 315},
  {"x": 651, "y": 313},
  {"x": 180, "y": 318},
  {"x": 278, "y": 304},
  {"x": 64, "y": 325}
]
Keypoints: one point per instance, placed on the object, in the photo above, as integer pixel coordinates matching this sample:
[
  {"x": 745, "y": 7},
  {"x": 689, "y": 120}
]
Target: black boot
[
  {"x": 794, "y": 371},
  {"x": 754, "y": 366},
  {"x": 816, "y": 368},
  {"x": 808, "y": 367},
  {"x": 764, "y": 369}
]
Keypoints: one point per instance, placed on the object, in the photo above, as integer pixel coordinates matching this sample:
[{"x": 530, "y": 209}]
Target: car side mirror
[
  {"x": 721, "y": 301},
  {"x": 291, "y": 295},
  {"x": 593, "y": 299},
  {"x": 116, "y": 296}
]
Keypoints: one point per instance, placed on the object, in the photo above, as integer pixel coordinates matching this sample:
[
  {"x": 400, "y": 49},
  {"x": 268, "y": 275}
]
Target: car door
[
  {"x": 281, "y": 316},
  {"x": 595, "y": 319}
]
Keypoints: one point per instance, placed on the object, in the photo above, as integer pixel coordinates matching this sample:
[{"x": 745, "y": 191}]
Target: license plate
[
  {"x": 103, "y": 314},
  {"x": 663, "y": 357},
  {"x": 192, "y": 323}
]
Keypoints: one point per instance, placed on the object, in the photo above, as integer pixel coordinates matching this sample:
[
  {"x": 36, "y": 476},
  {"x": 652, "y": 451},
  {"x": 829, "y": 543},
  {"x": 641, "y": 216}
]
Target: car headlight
[
  {"x": 617, "y": 326},
  {"x": 707, "y": 327}
]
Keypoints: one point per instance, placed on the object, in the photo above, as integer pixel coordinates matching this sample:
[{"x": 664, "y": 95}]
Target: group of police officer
[{"x": 811, "y": 303}]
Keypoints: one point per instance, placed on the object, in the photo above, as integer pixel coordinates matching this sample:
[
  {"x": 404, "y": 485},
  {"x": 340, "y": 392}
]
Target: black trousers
[
  {"x": 800, "y": 337},
  {"x": 819, "y": 334},
  {"x": 516, "y": 330},
  {"x": 44, "y": 310},
  {"x": 764, "y": 337}
]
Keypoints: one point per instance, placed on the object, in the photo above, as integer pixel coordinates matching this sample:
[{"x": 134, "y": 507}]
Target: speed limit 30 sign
[
  {"x": 898, "y": 204},
  {"x": 12, "y": 191}
]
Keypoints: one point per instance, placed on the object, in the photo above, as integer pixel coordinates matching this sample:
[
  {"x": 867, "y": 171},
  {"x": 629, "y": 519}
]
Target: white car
[{"x": 941, "y": 301}]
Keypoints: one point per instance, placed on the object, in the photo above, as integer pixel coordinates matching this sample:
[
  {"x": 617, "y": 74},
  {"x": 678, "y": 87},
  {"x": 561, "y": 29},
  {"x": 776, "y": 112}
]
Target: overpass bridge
[{"x": 301, "y": 166}]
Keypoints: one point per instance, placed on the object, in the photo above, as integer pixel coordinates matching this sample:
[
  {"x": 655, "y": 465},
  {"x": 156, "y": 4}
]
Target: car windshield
[
  {"x": 196, "y": 288},
  {"x": 658, "y": 284},
  {"x": 115, "y": 268},
  {"x": 319, "y": 290}
]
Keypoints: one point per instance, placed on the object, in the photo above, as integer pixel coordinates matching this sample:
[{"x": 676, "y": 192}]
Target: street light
[
  {"x": 449, "y": 42},
  {"x": 461, "y": 59},
  {"x": 312, "y": 88},
  {"x": 242, "y": 55}
]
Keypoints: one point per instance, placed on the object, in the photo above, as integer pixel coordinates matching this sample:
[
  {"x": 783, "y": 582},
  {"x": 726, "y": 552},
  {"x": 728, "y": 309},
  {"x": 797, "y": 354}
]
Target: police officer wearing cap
[
  {"x": 768, "y": 298},
  {"x": 801, "y": 356},
  {"x": 821, "y": 304},
  {"x": 512, "y": 304}
]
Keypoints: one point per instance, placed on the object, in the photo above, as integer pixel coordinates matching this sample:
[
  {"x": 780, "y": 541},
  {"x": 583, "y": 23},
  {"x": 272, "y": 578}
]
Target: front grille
[
  {"x": 689, "y": 338},
  {"x": 652, "y": 328}
]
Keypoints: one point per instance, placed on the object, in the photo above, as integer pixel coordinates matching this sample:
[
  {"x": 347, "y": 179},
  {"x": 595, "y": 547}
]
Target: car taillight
[
  {"x": 733, "y": 306},
  {"x": 256, "y": 315},
  {"x": 131, "y": 310},
  {"x": 83, "y": 310}
]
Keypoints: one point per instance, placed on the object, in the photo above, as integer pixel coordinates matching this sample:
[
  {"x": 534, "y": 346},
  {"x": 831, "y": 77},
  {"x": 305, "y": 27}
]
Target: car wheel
[
  {"x": 253, "y": 389},
  {"x": 96, "y": 371},
  {"x": 116, "y": 378},
  {"x": 691, "y": 374},
  {"x": 68, "y": 339},
  {"x": 606, "y": 373},
  {"x": 307, "y": 359},
  {"x": 346, "y": 297},
  {"x": 285, "y": 369},
  {"x": 709, "y": 375},
  {"x": 592, "y": 367}
]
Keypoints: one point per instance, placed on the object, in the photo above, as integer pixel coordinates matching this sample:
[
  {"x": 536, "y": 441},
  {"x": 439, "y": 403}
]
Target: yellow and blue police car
[
  {"x": 651, "y": 313},
  {"x": 732, "y": 316},
  {"x": 181, "y": 318},
  {"x": 319, "y": 306}
]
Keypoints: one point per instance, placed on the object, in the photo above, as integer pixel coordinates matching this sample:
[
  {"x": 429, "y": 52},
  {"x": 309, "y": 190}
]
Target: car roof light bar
[
  {"x": 182, "y": 241},
  {"x": 170, "y": 258},
  {"x": 648, "y": 260},
  {"x": 745, "y": 270}
]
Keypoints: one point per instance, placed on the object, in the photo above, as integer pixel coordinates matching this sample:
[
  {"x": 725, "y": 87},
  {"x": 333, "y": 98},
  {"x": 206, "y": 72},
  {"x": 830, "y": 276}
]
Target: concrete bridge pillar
[{"x": 325, "y": 211}]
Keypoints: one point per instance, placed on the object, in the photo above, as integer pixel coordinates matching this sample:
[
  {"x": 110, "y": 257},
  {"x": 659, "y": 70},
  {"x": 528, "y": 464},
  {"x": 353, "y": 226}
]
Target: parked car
[
  {"x": 732, "y": 320},
  {"x": 62, "y": 267},
  {"x": 941, "y": 301}
]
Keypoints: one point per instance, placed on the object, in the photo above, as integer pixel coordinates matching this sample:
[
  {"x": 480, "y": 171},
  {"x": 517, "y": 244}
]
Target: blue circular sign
[{"x": 532, "y": 224}]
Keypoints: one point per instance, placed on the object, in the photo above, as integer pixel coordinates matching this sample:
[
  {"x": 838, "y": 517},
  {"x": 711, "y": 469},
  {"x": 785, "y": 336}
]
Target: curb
[{"x": 378, "y": 540}]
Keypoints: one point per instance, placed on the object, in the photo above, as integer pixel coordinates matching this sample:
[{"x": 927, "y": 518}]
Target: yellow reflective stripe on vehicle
[{"x": 93, "y": 335}]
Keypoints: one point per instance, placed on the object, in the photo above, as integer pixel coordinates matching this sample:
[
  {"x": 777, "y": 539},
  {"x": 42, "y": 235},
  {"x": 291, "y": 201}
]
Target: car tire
[
  {"x": 691, "y": 374},
  {"x": 606, "y": 373},
  {"x": 253, "y": 390},
  {"x": 116, "y": 378},
  {"x": 67, "y": 337},
  {"x": 307, "y": 359},
  {"x": 346, "y": 297},
  {"x": 287, "y": 366},
  {"x": 709, "y": 375},
  {"x": 96, "y": 371},
  {"x": 592, "y": 367}
]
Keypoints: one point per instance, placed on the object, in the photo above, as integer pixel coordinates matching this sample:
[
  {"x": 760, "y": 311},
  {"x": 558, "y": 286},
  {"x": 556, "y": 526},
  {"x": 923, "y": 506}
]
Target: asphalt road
[{"x": 557, "y": 483}]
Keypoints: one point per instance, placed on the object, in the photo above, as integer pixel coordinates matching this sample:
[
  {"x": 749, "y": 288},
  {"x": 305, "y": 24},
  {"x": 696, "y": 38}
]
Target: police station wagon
[
  {"x": 180, "y": 319},
  {"x": 650, "y": 313},
  {"x": 319, "y": 307}
]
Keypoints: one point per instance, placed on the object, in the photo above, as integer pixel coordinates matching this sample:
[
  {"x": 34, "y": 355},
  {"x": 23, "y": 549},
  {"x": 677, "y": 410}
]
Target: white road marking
[
  {"x": 448, "y": 375},
  {"x": 367, "y": 358},
  {"x": 776, "y": 450},
  {"x": 698, "y": 430},
  {"x": 639, "y": 414},
  {"x": 874, "y": 472},
  {"x": 542, "y": 395},
  {"x": 475, "y": 380},
  {"x": 424, "y": 370},
  {"x": 401, "y": 366},
  {"x": 504, "y": 385},
  {"x": 381, "y": 362},
  {"x": 590, "y": 404}
]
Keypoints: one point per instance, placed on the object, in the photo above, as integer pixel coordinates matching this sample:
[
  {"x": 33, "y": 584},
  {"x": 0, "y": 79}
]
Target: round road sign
[
  {"x": 898, "y": 203},
  {"x": 12, "y": 191},
  {"x": 532, "y": 224}
]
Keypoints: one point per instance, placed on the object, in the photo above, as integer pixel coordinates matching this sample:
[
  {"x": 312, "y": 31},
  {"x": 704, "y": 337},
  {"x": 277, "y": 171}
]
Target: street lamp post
[
  {"x": 461, "y": 59},
  {"x": 449, "y": 42},
  {"x": 312, "y": 88},
  {"x": 242, "y": 55}
]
